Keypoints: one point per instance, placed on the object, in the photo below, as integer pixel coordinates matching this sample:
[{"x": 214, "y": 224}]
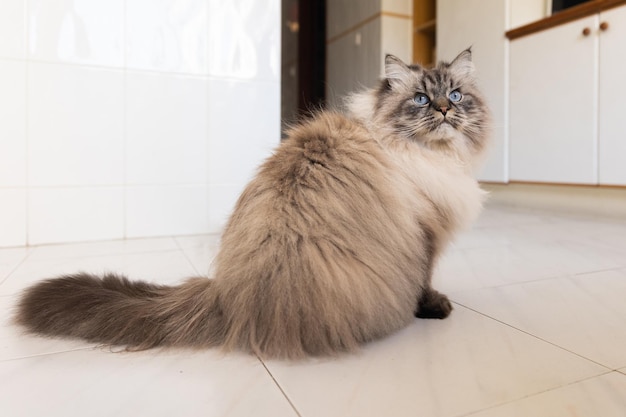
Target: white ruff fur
[{"x": 445, "y": 178}]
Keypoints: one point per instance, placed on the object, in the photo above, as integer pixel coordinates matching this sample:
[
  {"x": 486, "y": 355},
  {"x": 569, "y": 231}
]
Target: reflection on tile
[
  {"x": 166, "y": 210},
  {"x": 488, "y": 267},
  {"x": 13, "y": 217},
  {"x": 600, "y": 396},
  {"x": 244, "y": 39},
  {"x": 584, "y": 314},
  {"x": 515, "y": 248},
  {"x": 231, "y": 140},
  {"x": 223, "y": 199},
  {"x": 77, "y": 31},
  {"x": 155, "y": 383},
  {"x": 75, "y": 214},
  {"x": 166, "y": 129},
  {"x": 442, "y": 368},
  {"x": 12, "y": 29},
  {"x": 75, "y": 125},
  {"x": 167, "y": 35},
  {"x": 12, "y": 123},
  {"x": 505, "y": 216}
]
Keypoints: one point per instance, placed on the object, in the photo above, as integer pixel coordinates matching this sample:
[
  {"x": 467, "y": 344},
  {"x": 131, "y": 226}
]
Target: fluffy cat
[{"x": 331, "y": 245}]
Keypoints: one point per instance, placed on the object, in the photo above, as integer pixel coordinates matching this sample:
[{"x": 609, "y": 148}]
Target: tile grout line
[
  {"x": 279, "y": 387},
  {"x": 27, "y": 104},
  {"x": 18, "y": 265},
  {"x": 471, "y": 413},
  {"x": 40, "y": 355},
  {"x": 538, "y": 280},
  {"x": 180, "y": 248},
  {"x": 608, "y": 368},
  {"x": 124, "y": 125}
]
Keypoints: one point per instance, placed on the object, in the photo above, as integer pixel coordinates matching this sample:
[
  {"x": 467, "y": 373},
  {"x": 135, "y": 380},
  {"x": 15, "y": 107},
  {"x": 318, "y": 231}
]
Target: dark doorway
[{"x": 303, "y": 58}]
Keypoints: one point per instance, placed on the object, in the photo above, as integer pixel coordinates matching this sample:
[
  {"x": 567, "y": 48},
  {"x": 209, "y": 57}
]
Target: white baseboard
[{"x": 596, "y": 201}]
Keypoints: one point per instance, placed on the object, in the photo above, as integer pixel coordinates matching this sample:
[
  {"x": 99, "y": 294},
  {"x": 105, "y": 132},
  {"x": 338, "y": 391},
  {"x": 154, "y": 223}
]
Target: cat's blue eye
[
  {"x": 455, "y": 96},
  {"x": 422, "y": 99}
]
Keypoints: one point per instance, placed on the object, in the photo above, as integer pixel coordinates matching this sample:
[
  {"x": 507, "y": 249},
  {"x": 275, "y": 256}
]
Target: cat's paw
[{"x": 433, "y": 305}]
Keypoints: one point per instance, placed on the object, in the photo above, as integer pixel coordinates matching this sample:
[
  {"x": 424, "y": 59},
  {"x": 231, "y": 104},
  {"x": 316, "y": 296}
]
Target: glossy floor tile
[
  {"x": 537, "y": 330},
  {"x": 101, "y": 383},
  {"x": 432, "y": 368},
  {"x": 601, "y": 396},
  {"x": 585, "y": 314}
]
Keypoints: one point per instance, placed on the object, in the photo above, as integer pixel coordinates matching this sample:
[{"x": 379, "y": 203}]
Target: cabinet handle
[
  {"x": 604, "y": 26},
  {"x": 586, "y": 32}
]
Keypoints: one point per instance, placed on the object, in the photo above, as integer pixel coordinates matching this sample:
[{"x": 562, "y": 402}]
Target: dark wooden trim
[{"x": 566, "y": 16}]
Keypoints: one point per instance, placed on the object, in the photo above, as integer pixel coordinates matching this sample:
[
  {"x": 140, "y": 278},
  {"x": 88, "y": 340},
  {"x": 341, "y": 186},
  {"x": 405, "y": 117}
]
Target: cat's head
[{"x": 439, "y": 107}]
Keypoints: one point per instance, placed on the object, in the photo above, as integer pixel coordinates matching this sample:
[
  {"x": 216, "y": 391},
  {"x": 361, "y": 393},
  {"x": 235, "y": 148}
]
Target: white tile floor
[{"x": 539, "y": 329}]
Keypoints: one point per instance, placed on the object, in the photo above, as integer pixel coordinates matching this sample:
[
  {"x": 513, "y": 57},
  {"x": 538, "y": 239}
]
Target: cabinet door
[
  {"x": 553, "y": 105},
  {"x": 612, "y": 98}
]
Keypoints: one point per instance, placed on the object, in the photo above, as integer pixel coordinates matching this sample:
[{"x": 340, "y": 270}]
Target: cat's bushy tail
[{"x": 115, "y": 311}]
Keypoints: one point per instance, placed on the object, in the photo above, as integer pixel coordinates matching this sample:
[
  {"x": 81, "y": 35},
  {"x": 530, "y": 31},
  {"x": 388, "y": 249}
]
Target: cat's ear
[
  {"x": 462, "y": 66},
  {"x": 397, "y": 72}
]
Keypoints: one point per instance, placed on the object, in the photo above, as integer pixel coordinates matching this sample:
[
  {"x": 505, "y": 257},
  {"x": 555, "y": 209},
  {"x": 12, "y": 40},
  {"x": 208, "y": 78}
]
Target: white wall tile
[
  {"x": 244, "y": 39},
  {"x": 166, "y": 126},
  {"x": 75, "y": 125},
  {"x": 12, "y": 123},
  {"x": 75, "y": 214},
  {"x": 12, "y": 28},
  {"x": 77, "y": 31},
  {"x": 222, "y": 199},
  {"x": 244, "y": 128},
  {"x": 166, "y": 210},
  {"x": 76, "y": 130},
  {"x": 12, "y": 217},
  {"x": 167, "y": 35}
]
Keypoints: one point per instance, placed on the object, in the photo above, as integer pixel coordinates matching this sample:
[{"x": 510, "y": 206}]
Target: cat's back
[
  {"x": 328, "y": 142},
  {"x": 324, "y": 166},
  {"x": 327, "y": 169},
  {"x": 312, "y": 246}
]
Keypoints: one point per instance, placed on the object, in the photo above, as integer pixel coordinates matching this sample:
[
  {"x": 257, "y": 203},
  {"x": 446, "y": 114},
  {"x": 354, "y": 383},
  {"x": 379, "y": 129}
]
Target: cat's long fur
[{"x": 331, "y": 245}]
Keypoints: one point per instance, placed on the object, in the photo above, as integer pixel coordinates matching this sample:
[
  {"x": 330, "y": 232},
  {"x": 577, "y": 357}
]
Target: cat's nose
[{"x": 442, "y": 105}]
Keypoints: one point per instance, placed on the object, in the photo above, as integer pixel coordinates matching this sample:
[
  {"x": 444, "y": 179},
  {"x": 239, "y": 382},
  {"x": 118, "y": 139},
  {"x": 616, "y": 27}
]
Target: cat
[{"x": 331, "y": 245}]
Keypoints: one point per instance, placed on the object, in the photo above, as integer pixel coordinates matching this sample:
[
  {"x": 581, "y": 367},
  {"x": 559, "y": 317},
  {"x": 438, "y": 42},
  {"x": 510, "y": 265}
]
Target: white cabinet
[
  {"x": 558, "y": 96},
  {"x": 612, "y": 98},
  {"x": 567, "y": 98},
  {"x": 553, "y": 105}
]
